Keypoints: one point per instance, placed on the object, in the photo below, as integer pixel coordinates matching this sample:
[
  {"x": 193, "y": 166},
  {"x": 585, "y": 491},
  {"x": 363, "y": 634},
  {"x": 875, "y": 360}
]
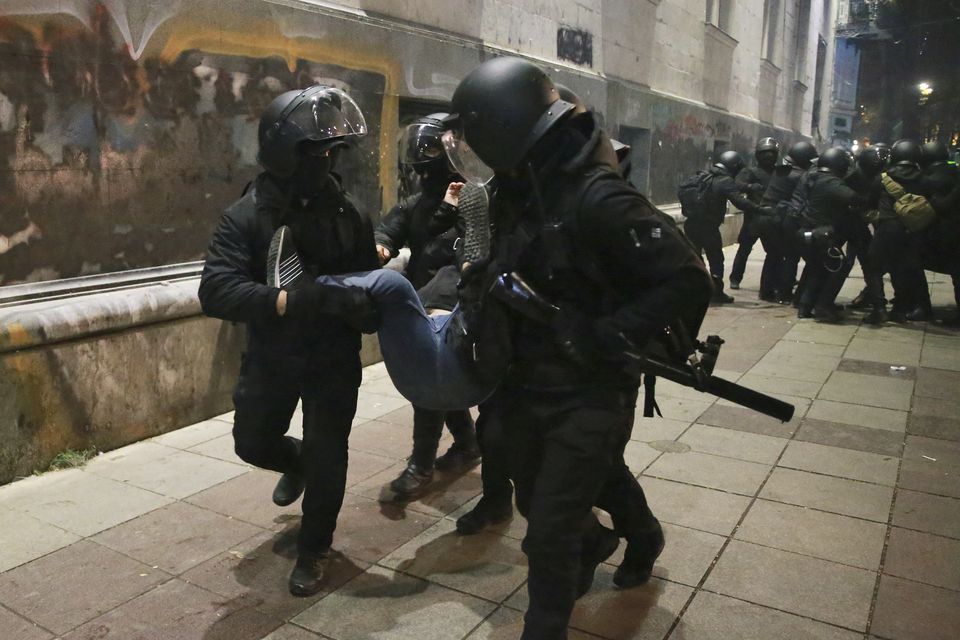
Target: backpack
[
  {"x": 915, "y": 211},
  {"x": 694, "y": 194}
]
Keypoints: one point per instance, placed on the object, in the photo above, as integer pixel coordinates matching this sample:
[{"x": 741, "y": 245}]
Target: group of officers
[
  {"x": 564, "y": 217},
  {"x": 831, "y": 210}
]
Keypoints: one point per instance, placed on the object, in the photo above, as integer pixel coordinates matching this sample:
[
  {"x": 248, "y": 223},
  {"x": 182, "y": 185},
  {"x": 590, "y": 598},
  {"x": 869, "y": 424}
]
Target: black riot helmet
[
  {"x": 500, "y": 111},
  {"x": 835, "y": 161},
  {"x": 905, "y": 153},
  {"x": 730, "y": 161},
  {"x": 873, "y": 159},
  {"x": 767, "y": 152},
  {"x": 934, "y": 152},
  {"x": 323, "y": 115},
  {"x": 422, "y": 140},
  {"x": 801, "y": 155}
]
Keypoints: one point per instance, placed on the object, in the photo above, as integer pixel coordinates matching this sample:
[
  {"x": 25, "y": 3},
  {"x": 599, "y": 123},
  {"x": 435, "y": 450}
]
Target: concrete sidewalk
[{"x": 843, "y": 524}]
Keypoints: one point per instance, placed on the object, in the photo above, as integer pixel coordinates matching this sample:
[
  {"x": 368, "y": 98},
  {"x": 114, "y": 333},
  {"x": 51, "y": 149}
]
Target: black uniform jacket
[
  {"x": 617, "y": 262},
  {"x": 832, "y": 202},
  {"x": 418, "y": 222},
  {"x": 755, "y": 175},
  {"x": 724, "y": 188},
  {"x": 331, "y": 237}
]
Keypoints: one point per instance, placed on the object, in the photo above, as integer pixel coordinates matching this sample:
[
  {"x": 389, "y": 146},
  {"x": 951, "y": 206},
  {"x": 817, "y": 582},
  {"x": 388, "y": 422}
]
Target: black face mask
[
  {"x": 434, "y": 176},
  {"x": 310, "y": 178},
  {"x": 766, "y": 159}
]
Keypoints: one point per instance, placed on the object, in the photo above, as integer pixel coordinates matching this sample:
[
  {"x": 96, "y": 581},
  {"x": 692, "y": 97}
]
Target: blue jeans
[{"x": 419, "y": 350}]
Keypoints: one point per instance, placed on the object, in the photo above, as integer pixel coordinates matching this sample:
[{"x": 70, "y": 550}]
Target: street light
[{"x": 925, "y": 89}]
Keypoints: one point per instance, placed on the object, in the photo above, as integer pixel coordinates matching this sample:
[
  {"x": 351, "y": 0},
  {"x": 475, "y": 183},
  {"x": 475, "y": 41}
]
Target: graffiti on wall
[{"x": 123, "y": 136}]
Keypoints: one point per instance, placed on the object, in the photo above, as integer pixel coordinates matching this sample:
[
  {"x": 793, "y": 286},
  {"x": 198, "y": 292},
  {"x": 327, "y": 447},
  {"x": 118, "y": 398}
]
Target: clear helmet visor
[
  {"x": 328, "y": 114},
  {"x": 464, "y": 161},
  {"x": 421, "y": 143}
]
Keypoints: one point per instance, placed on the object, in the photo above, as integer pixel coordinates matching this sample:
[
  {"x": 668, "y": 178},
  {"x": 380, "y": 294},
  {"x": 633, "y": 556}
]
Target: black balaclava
[
  {"x": 435, "y": 176},
  {"x": 767, "y": 160},
  {"x": 313, "y": 169}
]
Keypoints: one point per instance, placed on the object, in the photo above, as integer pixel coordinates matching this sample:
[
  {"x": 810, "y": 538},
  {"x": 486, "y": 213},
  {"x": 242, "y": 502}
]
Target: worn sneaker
[
  {"x": 307, "y": 576},
  {"x": 734, "y": 284},
  {"x": 284, "y": 269},
  {"x": 458, "y": 459}
]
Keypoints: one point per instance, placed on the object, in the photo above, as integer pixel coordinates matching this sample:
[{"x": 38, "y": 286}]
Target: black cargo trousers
[
  {"x": 266, "y": 398},
  {"x": 565, "y": 457},
  {"x": 704, "y": 235}
]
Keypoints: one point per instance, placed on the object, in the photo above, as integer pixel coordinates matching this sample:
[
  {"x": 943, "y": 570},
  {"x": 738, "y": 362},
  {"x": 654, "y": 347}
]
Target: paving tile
[
  {"x": 932, "y": 466},
  {"x": 742, "y": 419},
  {"x": 795, "y": 368},
  {"x": 814, "y": 533},
  {"x": 944, "y": 427},
  {"x": 507, "y": 624},
  {"x": 75, "y": 584},
  {"x": 225, "y": 417},
  {"x": 641, "y": 613},
  {"x": 374, "y": 371},
  {"x": 257, "y": 569},
  {"x": 848, "y": 436},
  {"x": 447, "y": 492},
  {"x": 402, "y": 416},
  {"x": 687, "y": 555},
  {"x": 651, "y": 429},
  {"x": 733, "y": 444},
  {"x": 639, "y": 455},
  {"x": 485, "y": 565},
  {"x": 845, "y": 463},
  {"x": 846, "y": 413},
  {"x": 371, "y": 406},
  {"x": 370, "y": 531},
  {"x": 941, "y": 407},
  {"x": 248, "y": 498},
  {"x": 873, "y": 391},
  {"x": 923, "y": 557},
  {"x": 925, "y": 512},
  {"x": 799, "y": 584},
  {"x": 169, "y": 472},
  {"x": 836, "y": 495},
  {"x": 740, "y": 359},
  {"x": 195, "y": 434},
  {"x": 715, "y": 472},
  {"x": 939, "y": 358},
  {"x": 911, "y": 611},
  {"x": 381, "y": 385},
  {"x": 696, "y": 507},
  {"x": 222, "y": 448},
  {"x": 200, "y": 615},
  {"x": 711, "y": 616},
  {"x": 24, "y": 538},
  {"x": 839, "y": 335},
  {"x": 176, "y": 537},
  {"x": 18, "y": 628},
  {"x": 383, "y": 439},
  {"x": 885, "y": 351},
  {"x": 292, "y": 632},
  {"x": 882, "y": 369},
  {"x": 911, "y": 334},
  {"x": 387, "y": 605},
  {"x": 774, "y": 384},
  {"x": 683, "y": 409},
  {"x": 79, "y": 502},
  {"x": 787, "y": 347}
]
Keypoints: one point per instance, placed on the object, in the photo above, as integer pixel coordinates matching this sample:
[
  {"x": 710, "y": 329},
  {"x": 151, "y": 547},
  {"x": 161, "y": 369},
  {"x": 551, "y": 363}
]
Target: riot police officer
[
  {"x": 865, "y": 180},
  {"x": 569, "y": 224},
  {"x": 754, "y": 179},
  {"x": 941, "y": 246},
  {"x": 299, "y": 345},
  {"x": 702, "y": 224},
  {"x": 781, "y": 262},
  {"x": 827, "y": 220},
  {"x": 424, "y": 223}
]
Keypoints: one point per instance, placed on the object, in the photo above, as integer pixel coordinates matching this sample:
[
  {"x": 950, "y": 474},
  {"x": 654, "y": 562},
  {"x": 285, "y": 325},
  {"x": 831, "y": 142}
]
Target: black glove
[
  {"x": 757, "y": 189},
  {"x": 351, "y": 304}
]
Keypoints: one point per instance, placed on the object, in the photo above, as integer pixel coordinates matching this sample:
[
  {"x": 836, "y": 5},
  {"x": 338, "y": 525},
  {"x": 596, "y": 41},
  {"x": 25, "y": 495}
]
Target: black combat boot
[
  {"x": 804, "y": 311},
  {"x": 458, "y": 458},
  {"x": 411, "y": 481},
  {"x": 877, "y": 316},
  {"x": 719, "y": 297},
  {"x": 307, "y": 576},
  {"x": 828, "y": 313},
  {"x": 485, "y": 514},
  {"x": 638, "y": 560},
  {"x": 598, "y": 546},
  {"x": 288, "y": 489},
  {"x": 922, "y": 313}
]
